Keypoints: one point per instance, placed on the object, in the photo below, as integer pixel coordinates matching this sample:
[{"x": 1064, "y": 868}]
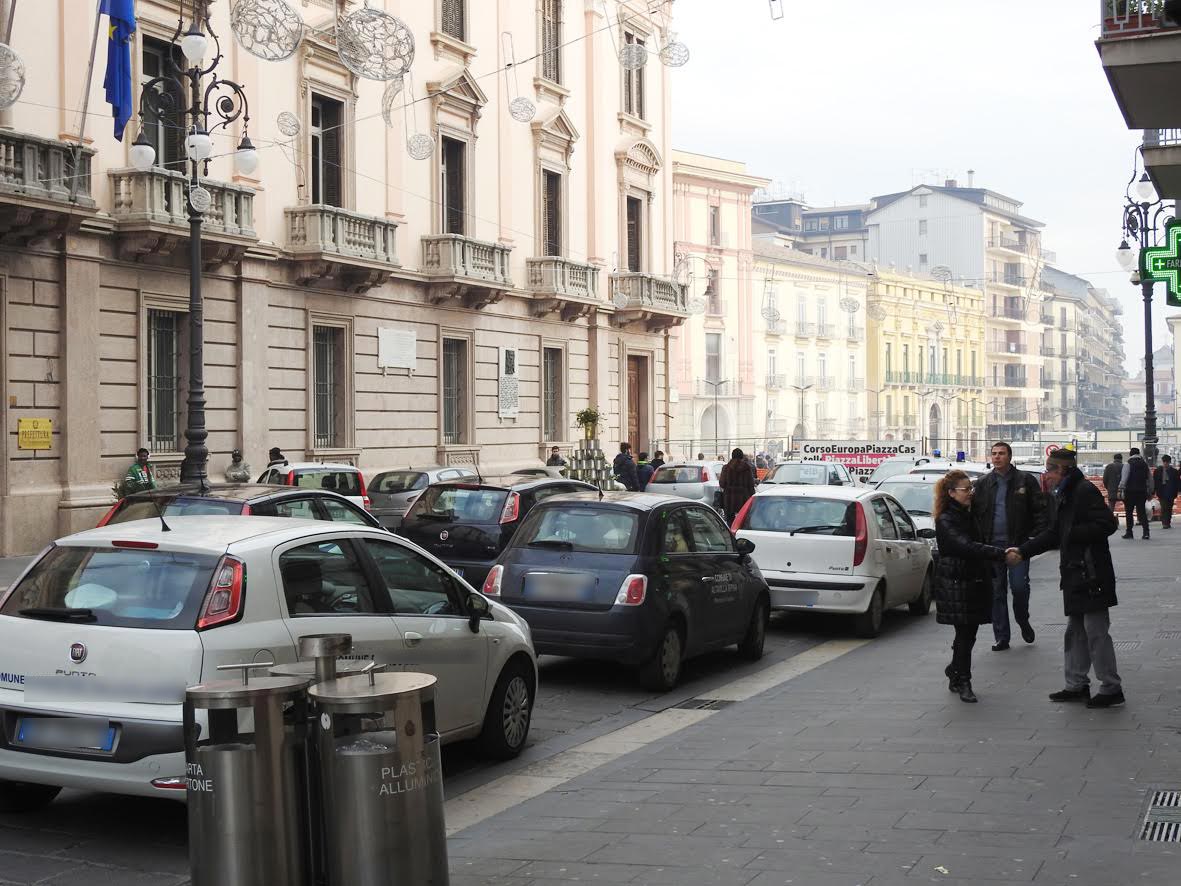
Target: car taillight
[
  {"x": 512, "y": 508},
  {"x": 861, "y": 541},
  {"x": 247, "y": 510},
  {"x": 492, "y": 582},
  {"x": 226, "y": 597},
  {"x": 111, "y": 513},
  {"x": 144, "y": 545},
  {"x": 633, "y": 591},
  {"x": 705, "y": 475},
  {"x": 740, "y": 517},
  {"x": 365, "y": 502},
  {"x": 290, "y": 481}
]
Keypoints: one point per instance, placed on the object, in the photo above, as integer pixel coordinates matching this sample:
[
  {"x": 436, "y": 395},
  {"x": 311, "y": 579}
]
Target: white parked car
[
  {"x": 343, "y": 479},
  {"x": 696, "y": 480},
  {"x": 838, "y": 549},
  {"x": 104, "y": 631},
  {"x": 938, "y": 467},
  {"x": 810, "y": 473}
]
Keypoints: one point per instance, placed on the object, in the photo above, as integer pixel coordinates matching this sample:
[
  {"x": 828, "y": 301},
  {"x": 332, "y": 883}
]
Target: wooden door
[{"x": 637, "y": 402}]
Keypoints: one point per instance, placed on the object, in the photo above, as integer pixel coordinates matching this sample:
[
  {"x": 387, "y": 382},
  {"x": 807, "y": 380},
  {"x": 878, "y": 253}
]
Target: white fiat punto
[
  {"x": 841, "y": 549},
  {"x": 106, "y": 628}
]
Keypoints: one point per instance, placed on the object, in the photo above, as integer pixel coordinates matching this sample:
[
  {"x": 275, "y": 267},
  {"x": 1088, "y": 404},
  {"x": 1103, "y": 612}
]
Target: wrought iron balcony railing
[{"x": 1130, "y": 18}]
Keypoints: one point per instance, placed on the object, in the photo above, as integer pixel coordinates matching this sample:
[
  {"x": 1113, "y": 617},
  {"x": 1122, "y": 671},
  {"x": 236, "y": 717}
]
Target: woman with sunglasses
[{"x": 963, "y": 587}]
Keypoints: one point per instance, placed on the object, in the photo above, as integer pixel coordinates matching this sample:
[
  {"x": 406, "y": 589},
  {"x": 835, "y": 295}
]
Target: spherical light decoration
[
  {"x": 850, "y": 305},
  {"x": 12, "y": 76},
  {"x": 393, "y": 88},
  {"x": 246, "y": 157},
  {"x": 522, "y": 110},
  {"x": 142, "y": 155},
  {"x": 877, "y": 312},
  {"x": 288, "y": 123},
  {"x": 199, "y": 198},
  {"x": 374, "y": 44},
  {"x": 633, "y": 56},
  {"x": 194, "y": 45},
  {"x": 674, "y": 54},
  {"x": 420, "y": 146},
  {"x": 696, "y": 305},
  {"x": 268, "y": 29}
]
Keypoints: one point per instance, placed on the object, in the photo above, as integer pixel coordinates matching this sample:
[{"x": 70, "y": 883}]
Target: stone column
[{"x": 253, "y": 383}]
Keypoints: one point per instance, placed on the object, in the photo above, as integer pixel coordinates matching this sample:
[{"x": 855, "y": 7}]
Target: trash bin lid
[
  {"x": 386, "y": 688},
  {"x": 224, "y": 693},
  {"x": 308, "y": 669}
]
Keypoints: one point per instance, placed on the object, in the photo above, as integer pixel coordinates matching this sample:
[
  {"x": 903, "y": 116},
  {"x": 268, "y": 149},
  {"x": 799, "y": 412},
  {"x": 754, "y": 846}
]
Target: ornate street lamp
[
  {"x": 213, "y": 103},
  {"x": 1146, "y": 218}
]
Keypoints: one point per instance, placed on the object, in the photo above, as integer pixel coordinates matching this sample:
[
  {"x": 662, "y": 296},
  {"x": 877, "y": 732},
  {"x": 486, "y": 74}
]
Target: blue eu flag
[{"x": 117, "y": 82}]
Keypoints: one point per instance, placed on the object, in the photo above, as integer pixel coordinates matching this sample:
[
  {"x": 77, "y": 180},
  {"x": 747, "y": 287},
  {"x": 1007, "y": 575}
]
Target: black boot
[
  {"x": 953, "y": 679},
  {"x": 965, "y": 691}
]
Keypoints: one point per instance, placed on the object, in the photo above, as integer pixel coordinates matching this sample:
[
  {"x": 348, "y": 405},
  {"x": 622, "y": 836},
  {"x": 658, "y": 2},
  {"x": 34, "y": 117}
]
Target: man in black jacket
[
  {"x": 1081, "y": 526},
  {"x": 1135, "y": 488},
  {"x": 625, "y": 469},
  {"x": 1166, "y": 481},
  {"x": 1010, "y": 509}
]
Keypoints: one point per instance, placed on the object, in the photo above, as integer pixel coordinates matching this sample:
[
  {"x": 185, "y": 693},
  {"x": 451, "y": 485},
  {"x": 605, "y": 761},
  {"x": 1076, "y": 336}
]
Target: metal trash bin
[
  {"x": 245, "y": 780},
  {"x": 382, "y": 781}
]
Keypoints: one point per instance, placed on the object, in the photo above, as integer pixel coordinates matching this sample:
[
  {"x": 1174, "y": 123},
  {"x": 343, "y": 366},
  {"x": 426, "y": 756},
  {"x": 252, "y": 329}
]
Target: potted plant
[{"x": 588, "y": 419}]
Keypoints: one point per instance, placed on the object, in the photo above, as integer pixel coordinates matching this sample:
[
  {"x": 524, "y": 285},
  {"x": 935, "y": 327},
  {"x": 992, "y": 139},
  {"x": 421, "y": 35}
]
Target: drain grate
[
  {"x": 1162, "y": 823},
  {"x": 1126, "y": 645},
  {"x": 703, "y": 704},
  {"x": 1168, "y": 635}
]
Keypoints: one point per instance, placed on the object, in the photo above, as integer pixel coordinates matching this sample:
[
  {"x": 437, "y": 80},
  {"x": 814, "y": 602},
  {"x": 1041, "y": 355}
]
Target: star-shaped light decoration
[{"x": 1162, "y": 264}]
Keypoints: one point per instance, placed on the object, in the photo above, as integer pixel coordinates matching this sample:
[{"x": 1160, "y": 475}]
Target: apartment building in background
[{"x": 360, "y": 305}]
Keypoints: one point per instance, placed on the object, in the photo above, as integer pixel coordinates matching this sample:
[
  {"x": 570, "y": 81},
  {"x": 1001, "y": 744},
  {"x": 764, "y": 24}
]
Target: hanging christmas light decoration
[
  {"x": 269, "y": 29},
  {"x": 776, "y": 9},
  {"x": 850, "y": 305},
  {"x": 696, "y": 305},
  {"x": 877, "y": 312},
  {"x": 12, "y": 76},
  {"x": 633, "y": 56},
  {"x": 393, "y": 88},
  {"x": 770, "y": 310},
  {"x": 674, "y": 53},
  {"x": 374, "y": 44},
  {"x": 288, "y": 124},
  {"x": 419, "y": 145},
  {"x": 520, "y": 108}
]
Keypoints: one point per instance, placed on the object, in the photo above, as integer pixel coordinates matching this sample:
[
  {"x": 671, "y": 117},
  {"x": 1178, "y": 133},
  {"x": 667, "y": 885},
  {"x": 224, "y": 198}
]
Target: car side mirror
[
  {"x": 478, "y": 609},
  {"x": 744, "y": 546},
  {"x": 926, "y": 533}
]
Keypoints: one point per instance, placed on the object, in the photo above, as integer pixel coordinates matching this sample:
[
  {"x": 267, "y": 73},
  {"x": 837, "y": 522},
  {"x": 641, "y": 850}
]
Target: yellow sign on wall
[{"x": 34, "y": 433}]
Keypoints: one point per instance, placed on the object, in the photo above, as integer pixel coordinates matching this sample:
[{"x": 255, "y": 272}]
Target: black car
[
  {"x": 466, "y": 524},
  {"x": 261, "y": 500},
  {"x": 642, "y": 579}
]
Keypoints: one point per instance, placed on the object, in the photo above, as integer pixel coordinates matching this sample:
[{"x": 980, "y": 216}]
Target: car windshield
[
  {"x": 181, "y": 506},
  {"x": 917, "y": 498},
  {"x": 116, "y": 587},
  {"x": 398, "y": 481},
  {"x": 789, "y": 513},
  {"x": 344, "y": 482},
  {"x": 889, "y": 469},
  {"x": 579, "y": 528},
  {"x": 811, "y": 474},
  {"x": 460, "y": 504},
  {"x": 677, "y": 474}
]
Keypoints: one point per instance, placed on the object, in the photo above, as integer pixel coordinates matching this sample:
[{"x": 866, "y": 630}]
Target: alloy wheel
[{"x": 515, "y": 719}]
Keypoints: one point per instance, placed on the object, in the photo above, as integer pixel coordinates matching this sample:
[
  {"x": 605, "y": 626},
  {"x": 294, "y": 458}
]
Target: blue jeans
[{"x": 1004, "y": 577}]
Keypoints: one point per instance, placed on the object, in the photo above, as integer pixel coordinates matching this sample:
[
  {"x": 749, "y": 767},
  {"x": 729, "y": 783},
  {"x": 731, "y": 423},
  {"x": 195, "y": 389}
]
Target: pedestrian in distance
[
  {"x": 555, "y": 459},
  {"x": 625, "y": 469},
  {"x": 737, "y": 483},
  {"x": 644, "y": 471},
  {"x": 963, "y": 576},
  {"x": 1010, "y": 509},
  {"x": 1111, "y": 474},
  {"x": 1135, "y": 488},
  {"x": 277, "y": 459},
  {"x": 657, "y": 461},
  {"x": 1166, "y": 480},
  {"x": 1082, "y": 524},
  {"x": 237, "y": 471},
  {"x": 140, "y": 475},
  {"x": 701, "y": 456}
]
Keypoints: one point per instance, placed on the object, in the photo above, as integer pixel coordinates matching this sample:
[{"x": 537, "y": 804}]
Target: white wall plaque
[
  {"x": 397, "y": 348},
  {"x": 508, "y": 390}
]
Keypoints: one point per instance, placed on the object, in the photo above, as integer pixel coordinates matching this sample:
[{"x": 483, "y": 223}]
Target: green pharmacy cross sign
[{"x": 1162, "y": 264}]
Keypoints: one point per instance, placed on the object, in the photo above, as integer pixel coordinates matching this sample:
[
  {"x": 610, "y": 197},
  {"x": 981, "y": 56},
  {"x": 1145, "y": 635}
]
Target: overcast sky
[{"x": 844, "y": 100}]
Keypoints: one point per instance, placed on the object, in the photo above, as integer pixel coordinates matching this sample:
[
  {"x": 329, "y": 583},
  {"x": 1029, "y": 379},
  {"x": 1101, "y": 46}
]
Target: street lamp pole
[
  {"x": 877, "y": 413},
  {"x": 1145, "y": 217},
  {"x": 715, "y": 385},
  {"x": 801, "y": 390},
  {"x": 210, "y": 98}
]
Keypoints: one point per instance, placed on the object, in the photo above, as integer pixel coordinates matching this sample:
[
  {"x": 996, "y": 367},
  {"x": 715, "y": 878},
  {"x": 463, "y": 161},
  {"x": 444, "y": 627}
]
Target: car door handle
[{"x": 412, "y": 638}]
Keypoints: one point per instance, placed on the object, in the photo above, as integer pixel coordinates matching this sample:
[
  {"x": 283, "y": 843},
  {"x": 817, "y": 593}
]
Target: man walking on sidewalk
[
  {"x": 1111, "y": 475},
  {"x": 625, "y": 469},
  {"x": 1166, "y": 480},
  {"x": 1009, "y": 509},
  {"x": 1080, "y": 529},
  {"x": 1135, "y": 488}
]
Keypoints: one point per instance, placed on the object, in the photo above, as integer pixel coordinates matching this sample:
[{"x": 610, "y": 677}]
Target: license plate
[
  {"x": 563, "y": 586},
  {"x": 65, "y": 734}
]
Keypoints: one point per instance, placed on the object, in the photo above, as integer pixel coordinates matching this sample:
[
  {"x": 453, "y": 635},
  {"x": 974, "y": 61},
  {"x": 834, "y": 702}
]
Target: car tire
[
  {"x": 751, "y": 645},
  {"x": 869, "y": 623},
  {"x": 921, "y": 605},
  {"x": 662, "y": 671},
  {"x": 23, "y": 796},
  {"x": 509, "y": 714}
]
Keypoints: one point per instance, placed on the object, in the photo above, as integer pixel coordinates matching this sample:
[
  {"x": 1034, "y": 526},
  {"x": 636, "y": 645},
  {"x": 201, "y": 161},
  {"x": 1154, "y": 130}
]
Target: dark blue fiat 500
[{"x": 646, "y": 580}]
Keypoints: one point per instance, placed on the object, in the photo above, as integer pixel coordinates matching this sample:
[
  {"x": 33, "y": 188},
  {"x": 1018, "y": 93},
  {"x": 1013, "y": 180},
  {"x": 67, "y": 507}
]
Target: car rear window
[
  {"x": 677, "y": 474},
  {"x": 789, "y": 513},
  {"x": 460, "y": 504},
  {"x": 399, "y": 481},
  {"x": 579, "y": 528},
  {"x": 182, "y": 506},
  {"x": 344, "y": 482},
  {"x": 813, "y": 474},
  {"x": 120, "y": 587},
  {"x": 917, "y": 498},
  {"x": 889, "y": 469}
]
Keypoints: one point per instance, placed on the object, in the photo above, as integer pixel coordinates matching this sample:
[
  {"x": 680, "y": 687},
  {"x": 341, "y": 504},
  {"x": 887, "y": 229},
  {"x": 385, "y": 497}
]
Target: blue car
[{"x": 642, "y": 579}]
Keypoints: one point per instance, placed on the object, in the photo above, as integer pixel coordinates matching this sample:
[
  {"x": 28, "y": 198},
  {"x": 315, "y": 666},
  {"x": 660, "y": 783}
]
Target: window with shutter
[
  {"x": 551, "y": 40},
  {"x": 325, "y": 151},
  {"x": 453, "y": 186},
  {"x": 634, "y": 233},
  {"x": 326, "y": 346},
  {"x": 163, "y": 382},
  {"x": 453, "y": 15},
  {"x": 552, "y": 424},
  {"x": 551, "y": 212},
  {"x": 633, "y": 84},
  {"x": 454, "y": 391},
  {"x": 166, "y": 130}
]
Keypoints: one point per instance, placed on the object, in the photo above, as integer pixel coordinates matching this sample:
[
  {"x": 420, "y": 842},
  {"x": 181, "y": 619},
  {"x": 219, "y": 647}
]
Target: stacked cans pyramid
[{"x": 589, "y": 464}]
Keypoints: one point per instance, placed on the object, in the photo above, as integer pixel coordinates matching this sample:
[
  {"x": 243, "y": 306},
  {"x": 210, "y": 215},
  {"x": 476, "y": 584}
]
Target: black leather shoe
[
  {"x": 1027, "y": 633},
  {"x": 1104, "y": 700},
  {"x": 1000, "y": 647},
  {"x": 1146, "y": 536},
  {"x": 1083, "y": 694},
  {"x": 966, "y": 693},
  {"x": 1126, "y": 535},
  {"x": 953, "y": 679}
]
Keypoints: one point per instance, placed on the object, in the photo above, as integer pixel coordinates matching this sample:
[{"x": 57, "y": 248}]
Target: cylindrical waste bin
[
  {"x": 245, "y": 781},
  {"x": 382, "y": 781}
]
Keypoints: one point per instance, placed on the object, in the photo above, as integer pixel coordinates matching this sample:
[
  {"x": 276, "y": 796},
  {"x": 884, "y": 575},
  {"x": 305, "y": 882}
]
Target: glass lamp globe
[
  {"x": 1144, "y": 189},
  {"x": 198, "y": 145},
  {"x": 142, "y": 154},
  {"x": 194, "y": 44},
  {"x": 1125, "y": 256},
  {"x": 246, "y": 157}
]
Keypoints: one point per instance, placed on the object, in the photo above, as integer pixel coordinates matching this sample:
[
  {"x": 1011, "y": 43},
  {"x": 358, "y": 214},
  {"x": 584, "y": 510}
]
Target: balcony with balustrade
[
  {"x": 775, "y": 328},
  {"x": 803, "y": 330},
  {"x": 1008, "y": 310},
  {"x": 474, "y": 273},
  {"x": 855, "y": 333},
  {"x": 44, "y": 187},
  {"x": 822, "y": 382},
  {"x": 1000, "y": 347},
  {"x": 648, "y": 300},
  {"x": 1140, "y": 49},
  {"x": 825, "y": 330},
  {"x": 1008, "y": 243},
  {"x": 1162, "y": 160},
  {"x": 560, "y": 286},
  {"x": 776, "y": 382},
  {"x": 340, "y": 249},
  {"x": 854, "y": 384},
  {"x": 706, "y": 388}
]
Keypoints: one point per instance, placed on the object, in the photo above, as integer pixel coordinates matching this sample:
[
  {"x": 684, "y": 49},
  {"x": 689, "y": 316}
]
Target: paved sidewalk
[{"x": 866, "y": 770}]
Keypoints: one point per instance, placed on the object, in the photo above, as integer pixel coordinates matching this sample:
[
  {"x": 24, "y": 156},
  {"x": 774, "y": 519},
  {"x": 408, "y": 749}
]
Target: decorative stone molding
[
  {"x": 473, "y": 272},
  {"x": 42, "y": 194},
  {"x": 561, "y": 286},
  {"x": 656, "y": 303},
  {"x": 457, "y": 99},
  {"x": 334, "y": 246}
]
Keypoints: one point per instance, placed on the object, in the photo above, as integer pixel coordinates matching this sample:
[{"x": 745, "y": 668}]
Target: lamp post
[
  {"x": 801, "y": 390},
  {"x": 1145, "y": 219},
  {"x": 877, "y": 412},
  {"x": 212, "y": 103},
  {"x": 715, "y": 385}
]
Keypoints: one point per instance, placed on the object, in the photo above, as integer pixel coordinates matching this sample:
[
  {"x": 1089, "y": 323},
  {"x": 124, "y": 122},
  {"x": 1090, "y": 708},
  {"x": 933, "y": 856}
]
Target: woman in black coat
[{"x": 963, "y": 589}]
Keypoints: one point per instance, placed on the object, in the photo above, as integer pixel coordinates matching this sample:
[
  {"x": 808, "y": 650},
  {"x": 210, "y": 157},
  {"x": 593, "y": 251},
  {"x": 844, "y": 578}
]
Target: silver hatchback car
[
  {"x": 391, "y": 493},
  {"x": 697, "y": 480}
]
